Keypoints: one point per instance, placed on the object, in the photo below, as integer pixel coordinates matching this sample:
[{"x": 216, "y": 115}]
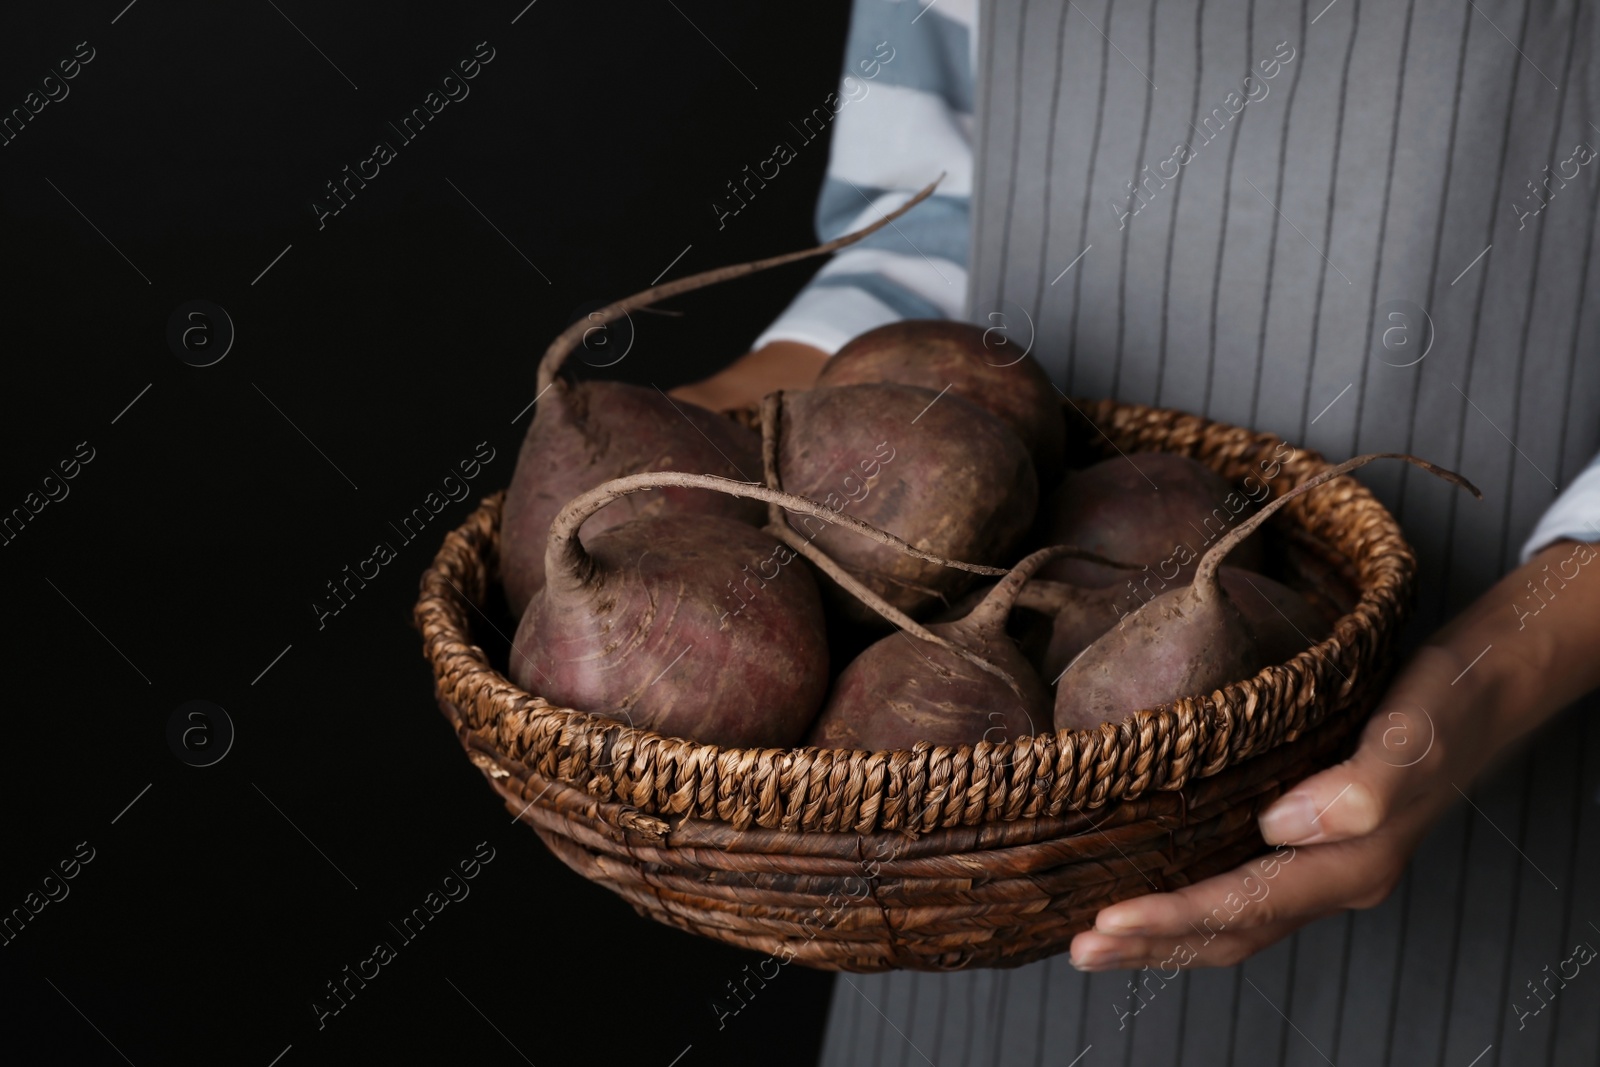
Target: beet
[
  {"x": 1189, "y": 641},
  {"x": 940, "y": 472},
  {"x": 1282, "y": 617},
  {"x": 1155, "y": 509},
  {"x": 1077, "y": 617},
  {"x": 1284, "y": 622},
  {"x": 940, "y": 354},
  {"x": 902, "y": 690},
  {"x": 860, "y": 596},
  {"x": 586, "y": 433},
  {"x": 646, "y": 621}
]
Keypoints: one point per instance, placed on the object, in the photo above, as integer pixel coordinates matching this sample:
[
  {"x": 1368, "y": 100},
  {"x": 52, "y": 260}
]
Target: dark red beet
[
  {"x": 1283, "y": 620},
  {"x": 646, "y": 621},
  {"x": 981, "y": 365},
  {"x": 1155, "y": 509},
  {"x": 638, "y": 643},
  {"x": 586, "y": 433},
  {"x": 1077, "y": 617},
  {"x": 939, "y": 472},
  {"x": 1190, "y": 641},
  {"x": 902, "y": 690},
  {"x": 859, "y": 595},
  {"x": 589, "y": 433}
]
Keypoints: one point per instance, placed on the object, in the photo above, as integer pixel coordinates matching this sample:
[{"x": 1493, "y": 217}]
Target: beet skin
[
  {"x": 903, "y": 690},
  {"x": 984, "y": 366},
  {"x": 939, "y": 472},
  {"x": 1281, "y": 618},
  {"x": 1152, "y": 509},
  {"x": 587, "y": 433},
  {"x": 1192, "y": 641},
  {"x": 653, "y": 630}
]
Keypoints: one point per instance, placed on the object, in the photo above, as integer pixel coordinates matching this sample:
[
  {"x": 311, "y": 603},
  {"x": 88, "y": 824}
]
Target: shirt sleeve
[
  {"x": 901, "y": 117},
  {"x": 1573, "y": 516}
]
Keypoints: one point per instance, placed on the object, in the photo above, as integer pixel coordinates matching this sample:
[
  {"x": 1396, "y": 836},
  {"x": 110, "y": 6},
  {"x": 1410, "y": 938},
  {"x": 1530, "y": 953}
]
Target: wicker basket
[{"x": 941, "y": 857}]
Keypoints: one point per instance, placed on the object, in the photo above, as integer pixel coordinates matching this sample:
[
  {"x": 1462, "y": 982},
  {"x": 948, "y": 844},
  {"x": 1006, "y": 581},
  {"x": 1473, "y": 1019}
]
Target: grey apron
[{"x": 1385, "y": 242}]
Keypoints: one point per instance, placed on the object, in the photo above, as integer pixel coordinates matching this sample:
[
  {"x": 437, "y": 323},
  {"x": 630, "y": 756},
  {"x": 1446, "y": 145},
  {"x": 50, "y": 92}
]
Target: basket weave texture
[{"x": 939, "y": 857}]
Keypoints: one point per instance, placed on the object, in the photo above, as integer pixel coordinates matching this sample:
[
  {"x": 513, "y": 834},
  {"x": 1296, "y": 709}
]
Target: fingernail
[
  {"x": 1126, "y": 921},
  {"x": 1094, "y": 959},
  {"x": 1290, "y": 820}
]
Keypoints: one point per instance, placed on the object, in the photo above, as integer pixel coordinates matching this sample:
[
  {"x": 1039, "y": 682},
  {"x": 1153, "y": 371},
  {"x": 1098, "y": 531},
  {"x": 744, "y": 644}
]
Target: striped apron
[{"x": 1361, "y": 226}]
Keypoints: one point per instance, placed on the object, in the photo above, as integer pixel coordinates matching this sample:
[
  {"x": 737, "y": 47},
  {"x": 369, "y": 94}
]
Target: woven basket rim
[{"x": 932, "y": 786}]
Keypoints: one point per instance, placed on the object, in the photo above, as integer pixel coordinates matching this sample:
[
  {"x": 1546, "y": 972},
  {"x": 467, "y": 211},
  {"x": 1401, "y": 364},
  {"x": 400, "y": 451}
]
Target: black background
[{"x": 369, "y": 359}]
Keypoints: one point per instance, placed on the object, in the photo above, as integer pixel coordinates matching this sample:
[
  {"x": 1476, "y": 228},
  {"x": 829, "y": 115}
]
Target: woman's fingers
[
  {"x": 1397, "y": 758},
  {"x": 1167, "y": 955},
  {"x": 1344, "y": 835},
  {"x": 1289, "y": 885},
  {"x": 1346, "y": 801}
]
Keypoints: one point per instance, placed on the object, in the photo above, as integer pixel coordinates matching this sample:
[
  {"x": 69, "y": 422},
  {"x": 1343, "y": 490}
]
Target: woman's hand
[
  {"x": 1503, "y": 666},
  {"x": 779, "y": 365}
]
